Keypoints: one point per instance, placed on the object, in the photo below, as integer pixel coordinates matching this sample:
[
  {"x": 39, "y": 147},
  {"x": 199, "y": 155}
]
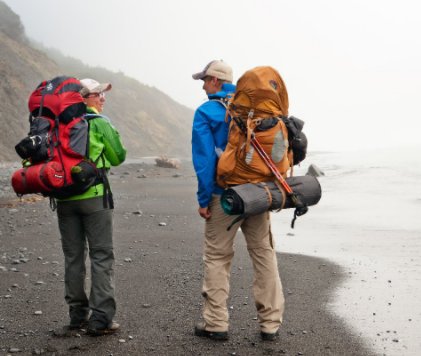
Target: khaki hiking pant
[{"x": 218, "y": 254}]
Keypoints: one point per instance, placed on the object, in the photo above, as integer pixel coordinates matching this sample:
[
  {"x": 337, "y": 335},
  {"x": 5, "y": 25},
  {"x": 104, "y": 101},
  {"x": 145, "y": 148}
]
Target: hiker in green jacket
[{"x": 86, "y": 222}]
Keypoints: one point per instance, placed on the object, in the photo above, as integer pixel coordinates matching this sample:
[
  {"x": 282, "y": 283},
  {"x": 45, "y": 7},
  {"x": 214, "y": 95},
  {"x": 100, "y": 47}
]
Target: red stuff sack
[{"x": 40, "y": 178}]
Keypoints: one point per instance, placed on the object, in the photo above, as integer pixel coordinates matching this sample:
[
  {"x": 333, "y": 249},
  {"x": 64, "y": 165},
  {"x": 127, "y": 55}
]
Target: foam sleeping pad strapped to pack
[{"x": 255, "y": 198}]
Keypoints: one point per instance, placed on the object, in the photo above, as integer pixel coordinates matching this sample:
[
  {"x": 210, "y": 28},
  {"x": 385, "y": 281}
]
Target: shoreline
[
  {"x": 379, "y": 299},
  {"x": 368, "y": 222},
  {"x": 158, "y": 278}
]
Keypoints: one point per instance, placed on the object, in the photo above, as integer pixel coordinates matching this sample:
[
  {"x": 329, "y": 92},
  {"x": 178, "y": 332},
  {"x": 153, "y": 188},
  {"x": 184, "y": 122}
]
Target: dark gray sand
[{"x": 158, "y": 243}]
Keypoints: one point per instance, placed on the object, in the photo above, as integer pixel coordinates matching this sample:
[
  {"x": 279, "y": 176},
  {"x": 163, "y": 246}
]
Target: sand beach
[{"x": 350, "y": 282}]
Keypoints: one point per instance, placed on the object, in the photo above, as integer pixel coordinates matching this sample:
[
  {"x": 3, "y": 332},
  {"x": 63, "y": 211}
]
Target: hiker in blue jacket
[{"x": 209, "y": 139}]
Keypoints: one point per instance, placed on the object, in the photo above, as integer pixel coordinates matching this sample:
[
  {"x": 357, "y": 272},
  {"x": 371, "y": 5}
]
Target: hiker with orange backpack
[
  {"x": 86, "y": 224},
  {"x": 209, "y": 140}
]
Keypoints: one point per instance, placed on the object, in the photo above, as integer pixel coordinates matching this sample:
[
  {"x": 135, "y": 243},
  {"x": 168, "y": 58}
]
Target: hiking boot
[
  {"x": 269, "y": 336},
  {"x": 200, "y": 330},
  {"x": 78, "y": 324},
  {"x": 95, "y": 330},
  {"x": 72, "y": 329}
]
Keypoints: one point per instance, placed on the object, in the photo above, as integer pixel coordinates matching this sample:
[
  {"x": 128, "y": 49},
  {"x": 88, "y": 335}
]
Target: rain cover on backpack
[
  {"x": 56, "y": 148},
  {"x": 260, "y": 100}
]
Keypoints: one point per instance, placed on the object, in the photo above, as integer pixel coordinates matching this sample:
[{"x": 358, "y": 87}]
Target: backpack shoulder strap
[
  {"x": 222, "y": 101},
  {"x": 91, "y": 116},
  {"x": 225, "y": 103},
  {"x": 97, "y": 116}
]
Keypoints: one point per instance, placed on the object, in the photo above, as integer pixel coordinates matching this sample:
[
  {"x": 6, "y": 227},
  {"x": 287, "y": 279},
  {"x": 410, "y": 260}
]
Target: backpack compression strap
[{"x": 108, "y": 195}]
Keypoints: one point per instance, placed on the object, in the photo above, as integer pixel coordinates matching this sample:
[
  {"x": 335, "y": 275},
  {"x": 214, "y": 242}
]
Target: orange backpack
[{"x": 260, "y": 100}]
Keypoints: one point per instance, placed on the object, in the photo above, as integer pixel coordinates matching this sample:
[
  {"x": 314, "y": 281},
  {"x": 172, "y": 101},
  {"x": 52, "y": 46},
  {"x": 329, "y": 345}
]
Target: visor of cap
[{"x": 203, "y": 73}]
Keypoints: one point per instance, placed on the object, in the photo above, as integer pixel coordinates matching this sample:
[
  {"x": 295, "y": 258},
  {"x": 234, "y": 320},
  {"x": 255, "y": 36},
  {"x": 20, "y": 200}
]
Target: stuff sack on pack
[
  {"x": 297, "y": 139},
  {"x": 261, "y": 103},
  {"x": 55, "y": 152}
]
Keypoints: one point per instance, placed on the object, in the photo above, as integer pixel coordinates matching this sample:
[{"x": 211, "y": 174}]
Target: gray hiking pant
[{"x": 85, "y": 225}]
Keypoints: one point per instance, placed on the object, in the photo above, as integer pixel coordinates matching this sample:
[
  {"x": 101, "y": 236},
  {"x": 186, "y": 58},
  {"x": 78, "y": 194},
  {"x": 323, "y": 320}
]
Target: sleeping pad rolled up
[{"x": 255, "y": 198}]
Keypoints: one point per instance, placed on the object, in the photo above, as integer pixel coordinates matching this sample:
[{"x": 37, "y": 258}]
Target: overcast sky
[{"x": 352, "y": 68}]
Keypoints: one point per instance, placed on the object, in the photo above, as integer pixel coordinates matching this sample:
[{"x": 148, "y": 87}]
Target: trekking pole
[{"x": 300, "y": 208}]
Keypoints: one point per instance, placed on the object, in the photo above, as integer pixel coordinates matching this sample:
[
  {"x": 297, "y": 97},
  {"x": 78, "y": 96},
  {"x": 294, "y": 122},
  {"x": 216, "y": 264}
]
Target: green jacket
[{"x": 105, "y": 141}]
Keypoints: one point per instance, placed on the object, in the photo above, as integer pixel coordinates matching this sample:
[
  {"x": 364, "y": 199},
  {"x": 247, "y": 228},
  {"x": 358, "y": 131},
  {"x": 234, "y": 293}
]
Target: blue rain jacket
[{"x": 209, "y": 138}]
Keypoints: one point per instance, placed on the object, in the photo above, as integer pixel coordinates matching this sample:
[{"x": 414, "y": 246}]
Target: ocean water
[{"x": 369, "y": 222}]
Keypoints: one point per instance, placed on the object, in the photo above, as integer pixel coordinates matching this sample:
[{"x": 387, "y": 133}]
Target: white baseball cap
[
  {"x": 218, "y": 69},
  {"x": 91, "y": 86}
]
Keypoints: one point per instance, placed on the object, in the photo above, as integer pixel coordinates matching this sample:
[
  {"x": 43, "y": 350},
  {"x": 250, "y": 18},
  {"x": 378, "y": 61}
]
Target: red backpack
[{"x": 55, "y": 152}]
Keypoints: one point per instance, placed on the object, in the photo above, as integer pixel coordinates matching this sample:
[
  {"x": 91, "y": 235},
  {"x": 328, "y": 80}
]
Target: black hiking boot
[
  {"x": 269, "y": 336},
  {"x": 200, "y": 330},
  {"x": 78, "y": 324},
  {"x": 73, "y": 329}
]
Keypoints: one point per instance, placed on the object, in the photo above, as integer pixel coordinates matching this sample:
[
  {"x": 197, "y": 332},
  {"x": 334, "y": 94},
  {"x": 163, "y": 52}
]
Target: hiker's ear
[{"x": 217, "y": 83}]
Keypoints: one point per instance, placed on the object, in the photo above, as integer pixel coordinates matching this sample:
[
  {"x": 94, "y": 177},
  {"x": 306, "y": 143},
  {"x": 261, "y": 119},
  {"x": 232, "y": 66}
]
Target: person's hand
[{"x": 205, "y": 213}]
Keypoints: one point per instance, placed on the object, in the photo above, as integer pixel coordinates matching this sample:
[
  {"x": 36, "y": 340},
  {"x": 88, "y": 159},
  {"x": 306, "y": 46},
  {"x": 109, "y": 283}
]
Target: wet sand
[
  {"x": 368, "y": 222},
  {"x": 158, "y": 272}
]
